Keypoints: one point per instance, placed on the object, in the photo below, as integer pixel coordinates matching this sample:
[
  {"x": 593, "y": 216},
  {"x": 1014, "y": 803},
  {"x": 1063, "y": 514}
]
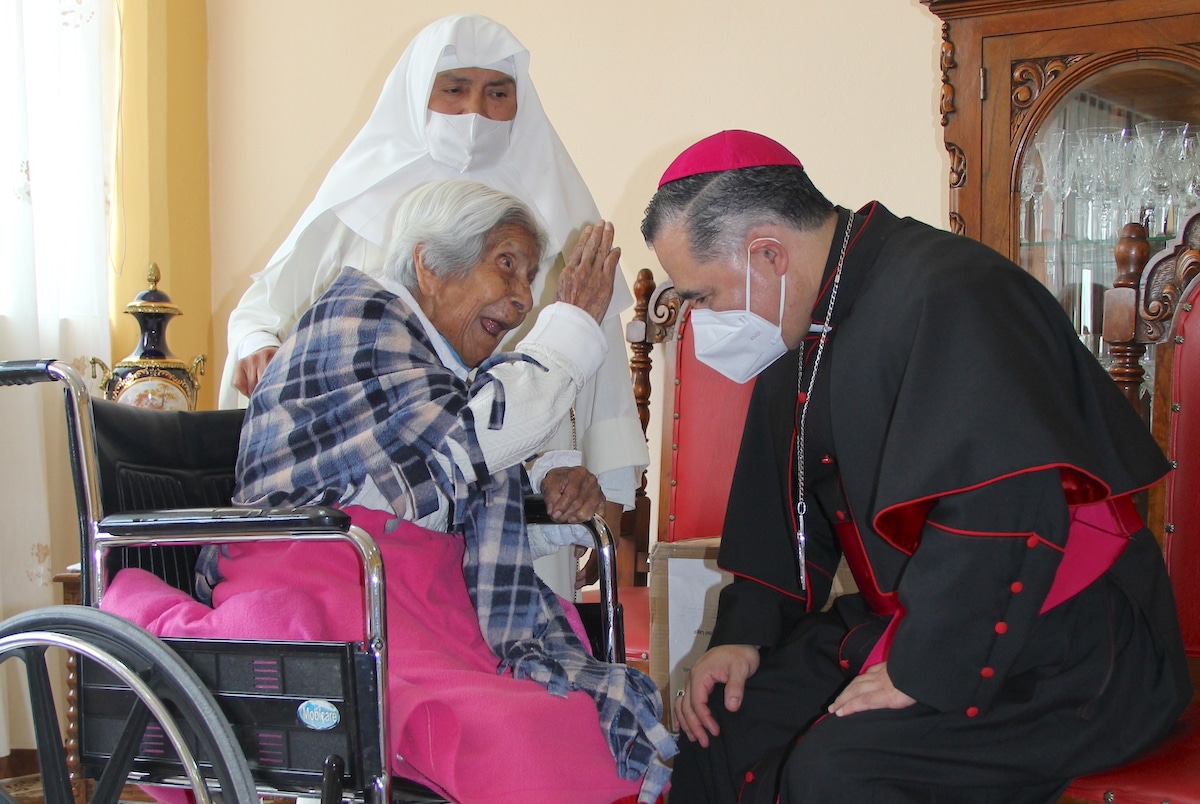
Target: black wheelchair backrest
[{"x": 151, "y": 460}]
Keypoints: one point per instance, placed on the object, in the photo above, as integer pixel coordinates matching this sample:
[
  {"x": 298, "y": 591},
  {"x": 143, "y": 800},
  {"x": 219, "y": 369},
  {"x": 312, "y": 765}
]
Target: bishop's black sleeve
[
  {"x": 750, "y": 613},
  {"x": 764, "y": 602},
  {"x": 974, "y": 588}
]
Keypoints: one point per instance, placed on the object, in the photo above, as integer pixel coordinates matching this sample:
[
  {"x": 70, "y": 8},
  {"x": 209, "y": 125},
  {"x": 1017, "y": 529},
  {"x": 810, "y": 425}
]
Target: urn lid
[{"x": 152, "y": 300}]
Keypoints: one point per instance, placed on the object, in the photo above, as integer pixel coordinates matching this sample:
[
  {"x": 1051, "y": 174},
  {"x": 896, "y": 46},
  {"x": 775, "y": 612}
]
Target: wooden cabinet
[
  {"x": 1016, "y": 72},
  {"x": 1007, "y": 65}
]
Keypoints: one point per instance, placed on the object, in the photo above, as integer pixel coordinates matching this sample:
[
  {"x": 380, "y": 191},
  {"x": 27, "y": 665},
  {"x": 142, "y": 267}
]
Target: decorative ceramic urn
[{"x": 152, "y": 377}]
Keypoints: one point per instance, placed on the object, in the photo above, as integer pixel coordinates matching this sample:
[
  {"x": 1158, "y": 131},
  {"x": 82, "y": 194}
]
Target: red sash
[{"x": 1099, "y": 533}]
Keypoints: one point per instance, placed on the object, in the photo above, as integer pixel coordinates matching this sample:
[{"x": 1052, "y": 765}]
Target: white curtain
[{"x": 58, "y": 64}]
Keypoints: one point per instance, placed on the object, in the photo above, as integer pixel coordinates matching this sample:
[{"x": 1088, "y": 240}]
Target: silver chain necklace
[{"x": 801, "y": 507}]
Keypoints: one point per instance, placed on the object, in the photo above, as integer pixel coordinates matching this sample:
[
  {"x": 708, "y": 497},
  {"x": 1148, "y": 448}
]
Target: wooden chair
[
  {"x": 1152, "y": 303},
  {"x": 703, "y": 414}
]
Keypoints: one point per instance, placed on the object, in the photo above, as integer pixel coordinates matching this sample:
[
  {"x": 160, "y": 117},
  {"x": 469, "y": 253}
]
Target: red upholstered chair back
[
  {"x": 1153, "y": 301},
  {"x": 1177, "y": 422},
  {"x": 703, "y": 415},
  {"x": 705, "y": 430}
]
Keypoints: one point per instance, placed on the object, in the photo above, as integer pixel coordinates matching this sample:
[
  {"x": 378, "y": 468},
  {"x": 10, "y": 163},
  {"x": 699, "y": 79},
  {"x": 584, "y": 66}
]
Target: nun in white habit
[{"x": 404, "y": 144}]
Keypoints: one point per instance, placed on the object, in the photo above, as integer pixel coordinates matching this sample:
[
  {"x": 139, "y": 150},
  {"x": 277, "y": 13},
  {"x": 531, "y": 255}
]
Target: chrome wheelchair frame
[{"x": 155, "y": 672}]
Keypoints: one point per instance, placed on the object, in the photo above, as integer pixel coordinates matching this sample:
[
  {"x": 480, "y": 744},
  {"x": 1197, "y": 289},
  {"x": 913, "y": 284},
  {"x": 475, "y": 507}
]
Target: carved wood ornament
[
  {"x": 958, "y": 226},
  {"x": 1164, "y": 280},
  {"x": 958, "y": 166},
  {"x": 958, "y": 157},
  {"x": 1029, "y": 79},
  {"x": 636, "y": 333},
  {"x": 655, "y": 311},
  {"x": 1140, "y": 306},
  {"x": 946, "y": 107}
]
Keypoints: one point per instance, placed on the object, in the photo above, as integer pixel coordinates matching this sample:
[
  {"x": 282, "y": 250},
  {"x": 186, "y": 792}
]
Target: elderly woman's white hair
[{"x": 451, "y": 220}]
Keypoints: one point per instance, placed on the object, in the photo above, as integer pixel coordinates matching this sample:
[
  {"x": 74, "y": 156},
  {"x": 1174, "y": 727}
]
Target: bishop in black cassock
[{"x": 973, "y": 464}]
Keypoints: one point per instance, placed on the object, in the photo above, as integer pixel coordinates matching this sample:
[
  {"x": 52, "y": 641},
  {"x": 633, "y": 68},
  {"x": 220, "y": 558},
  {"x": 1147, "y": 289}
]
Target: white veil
[{"x": 389, "y": 156}]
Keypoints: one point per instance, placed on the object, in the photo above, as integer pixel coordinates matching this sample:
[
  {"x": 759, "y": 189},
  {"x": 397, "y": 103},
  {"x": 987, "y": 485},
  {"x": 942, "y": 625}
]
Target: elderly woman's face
[
  {"x": 475, "y": 310},
  {"x": 473, "y": 89}
]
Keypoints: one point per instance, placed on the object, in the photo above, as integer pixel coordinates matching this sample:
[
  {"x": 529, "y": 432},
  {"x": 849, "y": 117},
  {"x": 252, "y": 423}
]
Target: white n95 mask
[
  {"x": 739, "y": 343},
  {"x": 467, "y": 141}
]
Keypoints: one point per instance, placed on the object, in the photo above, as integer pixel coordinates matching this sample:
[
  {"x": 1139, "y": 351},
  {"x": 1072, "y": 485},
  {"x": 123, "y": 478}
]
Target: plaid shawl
[{"x": 357, "y": 389}]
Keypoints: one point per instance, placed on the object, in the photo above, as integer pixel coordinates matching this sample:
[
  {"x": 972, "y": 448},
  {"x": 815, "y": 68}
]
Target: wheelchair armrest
[
  {"x": 203, "y": 525},
  {"x": 611, "y": 622},
  {"x": 536, "y": 514},
  {"x": 535, "y": 510},
  {"x": 209, "y": 525}
]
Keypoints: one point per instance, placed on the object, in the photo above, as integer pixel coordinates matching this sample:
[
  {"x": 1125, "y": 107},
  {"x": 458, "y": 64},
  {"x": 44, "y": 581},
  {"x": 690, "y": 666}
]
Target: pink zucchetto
[{"x": 728, "y": 150}]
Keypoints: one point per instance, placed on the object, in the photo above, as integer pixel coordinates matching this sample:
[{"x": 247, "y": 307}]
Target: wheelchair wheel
[{"x": 166, "y": 689}]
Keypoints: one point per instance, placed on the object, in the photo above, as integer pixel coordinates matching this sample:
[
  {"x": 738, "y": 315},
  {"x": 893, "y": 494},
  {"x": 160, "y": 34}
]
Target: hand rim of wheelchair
[
  {"x": 124, "y": 644},
  {"x": 14, "y": 643}
]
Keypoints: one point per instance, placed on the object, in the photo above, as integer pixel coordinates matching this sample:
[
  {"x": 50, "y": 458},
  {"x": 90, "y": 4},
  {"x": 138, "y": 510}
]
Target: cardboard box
[{"x": 685, "y": 585}]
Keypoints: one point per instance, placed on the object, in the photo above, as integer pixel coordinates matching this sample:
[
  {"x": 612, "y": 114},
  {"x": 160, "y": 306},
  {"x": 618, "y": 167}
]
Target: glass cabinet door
[{"x": 1120, "y": 147}]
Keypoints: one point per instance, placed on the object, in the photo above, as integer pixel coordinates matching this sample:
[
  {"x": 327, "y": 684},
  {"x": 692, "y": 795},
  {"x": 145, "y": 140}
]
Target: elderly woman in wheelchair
[{"x": 386, "y": 402}]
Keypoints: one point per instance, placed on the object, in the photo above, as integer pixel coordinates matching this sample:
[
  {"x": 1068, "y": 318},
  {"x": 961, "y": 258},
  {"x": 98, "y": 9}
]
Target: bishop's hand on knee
[{"x": 730, "y": 665}]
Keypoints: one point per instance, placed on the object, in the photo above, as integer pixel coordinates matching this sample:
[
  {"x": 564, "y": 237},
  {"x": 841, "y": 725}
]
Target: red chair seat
[
  {"x": 635, "y": 600},
  {"x": 1169, "y": 772}
]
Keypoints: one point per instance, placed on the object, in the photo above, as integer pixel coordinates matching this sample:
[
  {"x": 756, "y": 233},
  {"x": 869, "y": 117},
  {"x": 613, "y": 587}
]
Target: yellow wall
[{"x": 162, "y": 184}]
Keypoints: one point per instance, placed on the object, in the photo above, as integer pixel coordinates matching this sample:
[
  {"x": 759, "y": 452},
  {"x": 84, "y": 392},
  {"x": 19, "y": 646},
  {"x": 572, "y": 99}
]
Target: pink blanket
[{"x": 453, "y": 722}]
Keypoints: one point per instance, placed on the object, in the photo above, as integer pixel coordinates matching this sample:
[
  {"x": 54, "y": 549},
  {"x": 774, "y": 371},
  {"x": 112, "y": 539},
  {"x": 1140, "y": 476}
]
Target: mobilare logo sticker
[{"x": 319, "y": 715}]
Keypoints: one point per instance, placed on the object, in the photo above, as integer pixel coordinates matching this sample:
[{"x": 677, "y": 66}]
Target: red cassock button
[
  {"x": 1031, "y": 542},
  {"x": 987, "y": 672},
  {"x": 1001, "y": 627},
  {"x": 972, "y": 711},
  {"x": 749, "y": 777},
  {"x": 1016, "y": 587}
]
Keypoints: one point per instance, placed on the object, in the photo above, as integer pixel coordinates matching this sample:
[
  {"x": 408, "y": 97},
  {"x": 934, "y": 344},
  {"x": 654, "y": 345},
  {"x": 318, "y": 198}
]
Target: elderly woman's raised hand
[{"x": 587, "y": 279}]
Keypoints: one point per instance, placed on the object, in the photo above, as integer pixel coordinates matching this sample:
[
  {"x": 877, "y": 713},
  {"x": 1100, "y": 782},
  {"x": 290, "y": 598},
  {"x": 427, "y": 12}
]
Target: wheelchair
[{"x": 152, "y": 488}]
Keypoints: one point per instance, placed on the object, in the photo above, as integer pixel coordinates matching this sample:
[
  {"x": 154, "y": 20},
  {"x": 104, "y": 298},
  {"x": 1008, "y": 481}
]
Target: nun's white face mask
[
  {"x": 467, "y": 141},
  {"x": 470, "y": 117}
]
